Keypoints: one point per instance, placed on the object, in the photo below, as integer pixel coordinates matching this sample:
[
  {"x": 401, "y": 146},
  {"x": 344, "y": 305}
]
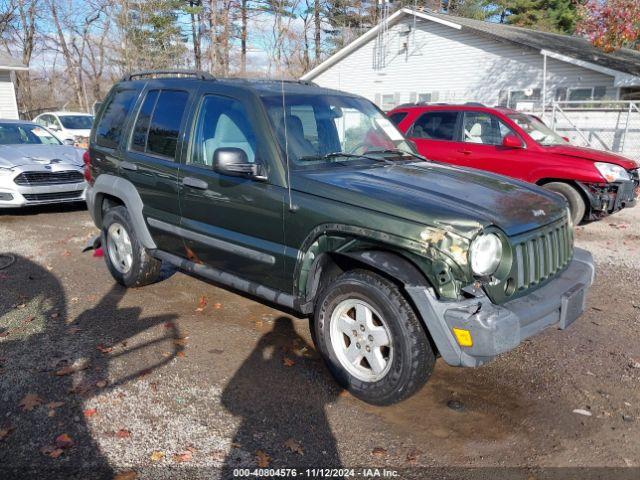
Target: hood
[
  {"x": 592, "y": 155},
  {"x": 17, "y": 155},
  {"x": 84, "y": 132},
  {"x": 438, "y": 195}
]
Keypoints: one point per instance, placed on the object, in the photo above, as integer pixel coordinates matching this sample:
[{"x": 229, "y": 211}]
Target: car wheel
[
  {"x": 576, "y": 203},
  {"x": 128, "y": 261},
  {"x": 371, "y": 338}
]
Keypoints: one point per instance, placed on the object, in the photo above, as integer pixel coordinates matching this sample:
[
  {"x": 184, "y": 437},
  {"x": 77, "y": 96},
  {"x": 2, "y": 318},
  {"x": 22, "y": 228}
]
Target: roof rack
[{"x": 187, "y": 73}]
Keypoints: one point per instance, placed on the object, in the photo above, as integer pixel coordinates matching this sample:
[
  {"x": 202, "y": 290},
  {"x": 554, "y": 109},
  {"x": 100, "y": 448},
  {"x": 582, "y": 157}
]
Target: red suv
[{"x": 520, "y": 145}]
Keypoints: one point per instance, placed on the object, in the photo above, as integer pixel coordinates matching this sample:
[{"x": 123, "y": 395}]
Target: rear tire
[
  {"x": 392, "y": 358},
  {"x": 576, "y": 203},
  {"x": 127, "y": 260}
]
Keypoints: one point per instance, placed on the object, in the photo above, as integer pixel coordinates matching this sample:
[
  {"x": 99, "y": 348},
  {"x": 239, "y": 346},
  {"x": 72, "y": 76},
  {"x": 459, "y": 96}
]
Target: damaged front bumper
[
  {"x": 605, "y": 199},
  {"x": 496, "y": 329}
]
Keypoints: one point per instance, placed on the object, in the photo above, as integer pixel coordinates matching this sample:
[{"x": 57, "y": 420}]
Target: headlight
[
  {"x": 612, "y": 172},
  {"x": 485, "y": 254}
]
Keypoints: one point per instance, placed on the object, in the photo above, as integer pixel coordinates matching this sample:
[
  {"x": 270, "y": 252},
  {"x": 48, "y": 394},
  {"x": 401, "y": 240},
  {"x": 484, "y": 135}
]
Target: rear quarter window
[
  {"x": 113, "y": 118},
  {"x": 397, "y": 117}
]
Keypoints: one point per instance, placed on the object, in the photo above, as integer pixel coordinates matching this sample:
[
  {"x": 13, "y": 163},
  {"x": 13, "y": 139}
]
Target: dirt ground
[{"x": 185, "y": 380}]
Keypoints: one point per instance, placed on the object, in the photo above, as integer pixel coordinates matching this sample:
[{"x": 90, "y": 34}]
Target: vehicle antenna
[{"x": 286, "y": 141}]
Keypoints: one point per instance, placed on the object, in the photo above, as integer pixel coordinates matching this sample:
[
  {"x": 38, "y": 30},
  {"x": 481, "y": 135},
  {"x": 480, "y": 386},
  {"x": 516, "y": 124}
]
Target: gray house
[
  {"x": 8, "y": 104},
  {"x": 423, "y": 56}
]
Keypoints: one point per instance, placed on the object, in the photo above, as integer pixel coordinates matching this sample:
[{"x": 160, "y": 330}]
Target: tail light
[{"x": 86, "y": 158}]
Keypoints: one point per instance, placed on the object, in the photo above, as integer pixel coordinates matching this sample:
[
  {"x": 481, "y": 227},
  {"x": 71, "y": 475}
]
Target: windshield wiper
[
  {"x": 397, "y": 151},
  {"x": 344, "y": 155}
]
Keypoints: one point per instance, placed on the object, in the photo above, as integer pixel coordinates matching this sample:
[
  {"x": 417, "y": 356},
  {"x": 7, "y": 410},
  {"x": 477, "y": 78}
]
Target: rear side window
[
  {"x": 436, "y": 126},
  {"x": 396, "y": 118},
  {"x": 109, "y": 129},
  {"x": 158, "y": 124}
]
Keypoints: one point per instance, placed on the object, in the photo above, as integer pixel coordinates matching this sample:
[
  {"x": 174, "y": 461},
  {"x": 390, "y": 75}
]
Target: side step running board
[{"x": 232, "y": 281}]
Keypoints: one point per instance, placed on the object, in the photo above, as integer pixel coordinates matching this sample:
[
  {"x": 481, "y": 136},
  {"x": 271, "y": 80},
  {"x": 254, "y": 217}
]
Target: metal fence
[{"x": 605, "y": 125}]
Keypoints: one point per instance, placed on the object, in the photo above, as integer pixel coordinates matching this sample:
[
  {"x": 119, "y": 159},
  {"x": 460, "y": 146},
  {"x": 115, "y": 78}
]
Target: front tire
[
  {"x": 371, "y": 338},
  {"x": 127, "y": 260},
  {"x": 573, "y": 197}
]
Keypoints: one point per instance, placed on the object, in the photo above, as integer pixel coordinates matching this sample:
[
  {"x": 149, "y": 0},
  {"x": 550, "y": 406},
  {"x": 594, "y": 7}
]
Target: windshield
[
  {"x": 25, "y": 134},
  {"x": 537, "y": 130},
  {"x": 76, "y": 122},
  {"x": 323, "y": 130}
]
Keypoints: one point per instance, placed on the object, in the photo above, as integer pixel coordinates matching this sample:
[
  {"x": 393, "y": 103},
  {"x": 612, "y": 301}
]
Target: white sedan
[{"x": 37, "y": 168}]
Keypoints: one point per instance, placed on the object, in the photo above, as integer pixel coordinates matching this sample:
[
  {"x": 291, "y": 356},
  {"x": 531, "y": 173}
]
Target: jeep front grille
[
  {"x": 49, "y": 178},
  {"x": 543, "y": 254}
]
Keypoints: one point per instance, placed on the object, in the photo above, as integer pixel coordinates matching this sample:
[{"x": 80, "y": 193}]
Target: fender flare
[{"x": 124, "y": 190}]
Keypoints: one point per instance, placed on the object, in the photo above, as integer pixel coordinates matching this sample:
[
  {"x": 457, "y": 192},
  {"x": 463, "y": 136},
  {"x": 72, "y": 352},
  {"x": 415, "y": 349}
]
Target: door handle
[
  {"x": 195, "y": 183},
  {"x": 129, "y": 166},
  {"x": 465, "y": 152}
]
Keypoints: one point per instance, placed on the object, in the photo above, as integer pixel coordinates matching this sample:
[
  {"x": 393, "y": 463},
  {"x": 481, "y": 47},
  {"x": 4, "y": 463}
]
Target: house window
[
  {"x": 388, "y": 102},
  {"x": 580, "y": 94},
  {"x": 424, "y": 97},
  {"x": 524, "y": 99},
  {"x": 630, "y": 93}
]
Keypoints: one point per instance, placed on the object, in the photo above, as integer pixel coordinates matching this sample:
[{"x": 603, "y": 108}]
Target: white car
[
  {"x": 73, "y": 128},
  {"x": 36, "y": 168}
]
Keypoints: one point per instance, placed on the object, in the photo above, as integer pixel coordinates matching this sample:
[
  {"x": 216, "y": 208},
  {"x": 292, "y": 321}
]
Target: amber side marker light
[{"x": 463, "y": 337}]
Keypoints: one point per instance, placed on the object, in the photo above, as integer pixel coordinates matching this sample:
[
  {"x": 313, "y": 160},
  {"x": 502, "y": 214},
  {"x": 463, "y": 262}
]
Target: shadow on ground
[
  {"x": 51, "y": 364},
  {"x": 278, "y": 393}
]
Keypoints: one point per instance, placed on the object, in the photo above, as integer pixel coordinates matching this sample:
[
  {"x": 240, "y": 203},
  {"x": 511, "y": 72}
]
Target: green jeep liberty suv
[{"x": 312, "y": 200}]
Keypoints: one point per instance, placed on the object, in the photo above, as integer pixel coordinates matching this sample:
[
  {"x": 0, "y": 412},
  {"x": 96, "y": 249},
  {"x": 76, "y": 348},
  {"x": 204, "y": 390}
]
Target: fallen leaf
[
  {"x": 412, "y": 456},
  {"x": 73, "y": 368},
  {"x": 263, "y": 459},
  {"x": 185, "y": 456},
  {"x": 217, "y": 306},
  {"x": 30, "y": 401},
  {"x": 52, "y": 451},
  {"x": 180, "y": 354},
  {"x": 64, "y": 441},
  {"x": 104, "y": 349},
  {"x": 180, "y": 342},
  {"x": 287, "y": 362},
  {"x": 21, "y": 306},
  {"x": 154, "y": 386},
  {"x": 101, "y": 383},
  {"x": 201, "y": 304},
  {"x": 123, "y": 433},
  {"x": 5, "y": 432},
  {"x": 156, "y": 455},
  {"x": 90, "y": 412},
  {"x": 127, "y": 475},
  {"x": 581, "y": 411},
  {"x": 294, "y": 446},
  {"x": 379, "y": 452}
]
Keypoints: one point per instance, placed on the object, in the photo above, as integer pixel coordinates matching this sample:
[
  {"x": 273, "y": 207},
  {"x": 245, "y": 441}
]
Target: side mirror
[
  {"x": 511, "y": 140},
  {"x": 55, "y": 128},
  {"x": 233, "y": 161}
]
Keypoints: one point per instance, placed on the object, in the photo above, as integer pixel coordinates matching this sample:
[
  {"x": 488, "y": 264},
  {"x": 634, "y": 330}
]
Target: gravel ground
[{"x": 185, "y": 380}]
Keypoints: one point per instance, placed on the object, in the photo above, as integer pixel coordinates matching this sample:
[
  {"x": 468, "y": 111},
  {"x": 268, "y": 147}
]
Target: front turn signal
[{"x": 463, "y": 337}]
